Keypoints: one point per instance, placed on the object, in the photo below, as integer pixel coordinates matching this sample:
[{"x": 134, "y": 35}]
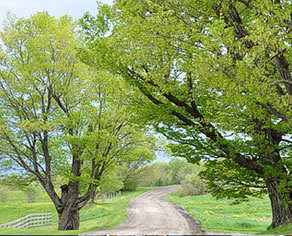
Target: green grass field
[
  {"x": 214, "y": 215},
  {"x": 251, "y": 217},
  {"x": 219, "y": 216},
  {"x": 101, "y": 214},
  {"x": 283, "y": 230}
]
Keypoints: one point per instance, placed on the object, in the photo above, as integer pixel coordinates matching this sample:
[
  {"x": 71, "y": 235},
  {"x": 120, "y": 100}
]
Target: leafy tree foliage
[
  {"x": 31, "y": 194},
  {"x": 132, "y": 169},
  {"x": 58, "y": 116},
  {"x": 111, "y": 181},
  {"x": 161, "y": 172},
  {"x": 154, "y": 175},
  {"x": 216, "y": 76},
  {"x": 178, "y": 169}
]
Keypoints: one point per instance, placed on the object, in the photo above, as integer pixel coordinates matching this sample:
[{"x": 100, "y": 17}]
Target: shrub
[
  {"x": 192, "y": 185},
  {"x": 130, "y": 185}
]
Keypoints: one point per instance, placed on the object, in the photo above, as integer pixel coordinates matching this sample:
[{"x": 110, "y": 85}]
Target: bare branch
[{"x": 280, "y": 81}]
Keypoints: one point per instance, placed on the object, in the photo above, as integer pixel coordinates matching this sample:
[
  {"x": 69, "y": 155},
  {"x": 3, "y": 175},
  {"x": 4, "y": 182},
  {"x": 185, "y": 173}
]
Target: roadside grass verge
[
  {"x": 219, "y": 216},
  {"x": 94, "y": 216},
  {"x": 282, "y": 230}
]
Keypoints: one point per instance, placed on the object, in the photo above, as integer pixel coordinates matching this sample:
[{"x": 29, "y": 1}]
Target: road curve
[{"x": 149, "y": 214}]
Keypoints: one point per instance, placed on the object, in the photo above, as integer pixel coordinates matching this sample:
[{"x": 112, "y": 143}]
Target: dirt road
[{"x": 149, "y": 214}]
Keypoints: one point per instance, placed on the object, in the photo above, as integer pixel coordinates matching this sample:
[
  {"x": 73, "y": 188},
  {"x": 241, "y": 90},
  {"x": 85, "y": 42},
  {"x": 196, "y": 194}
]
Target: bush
[
  {"x": 4, "y": 194},
  {"x": 192, "y": 185},
  {"x": 130, "y": 185}
]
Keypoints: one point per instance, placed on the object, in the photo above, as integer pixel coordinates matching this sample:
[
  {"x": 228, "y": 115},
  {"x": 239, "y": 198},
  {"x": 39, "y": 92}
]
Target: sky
[{"x": 26, "y": 8}]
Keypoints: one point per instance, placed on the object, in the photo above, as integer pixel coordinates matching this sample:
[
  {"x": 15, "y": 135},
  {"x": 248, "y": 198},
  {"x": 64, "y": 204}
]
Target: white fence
[
  {"x": 104, "y": 196},
  {"x": 29, "y": 221}
]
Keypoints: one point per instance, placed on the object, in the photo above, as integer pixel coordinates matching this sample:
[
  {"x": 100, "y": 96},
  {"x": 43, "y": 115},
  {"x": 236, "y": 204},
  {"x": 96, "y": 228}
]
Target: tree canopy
[
  {"x": 60, "y": 116},
  {"x": 214, "y": 77},
  {"x": 217, "y": 82}
]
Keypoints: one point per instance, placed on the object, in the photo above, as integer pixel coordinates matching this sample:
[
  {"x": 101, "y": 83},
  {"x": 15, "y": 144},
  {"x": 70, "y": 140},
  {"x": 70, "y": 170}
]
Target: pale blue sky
[{"x": 25, "y": 8}]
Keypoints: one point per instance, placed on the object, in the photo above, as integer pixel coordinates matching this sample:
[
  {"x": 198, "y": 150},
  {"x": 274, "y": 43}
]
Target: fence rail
[
  {"x": 104, "y": 196},
  {"x": 29, "y": 221}
]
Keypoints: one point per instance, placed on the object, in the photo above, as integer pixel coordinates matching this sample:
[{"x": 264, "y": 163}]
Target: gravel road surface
[{"x": 149, "y": 214}]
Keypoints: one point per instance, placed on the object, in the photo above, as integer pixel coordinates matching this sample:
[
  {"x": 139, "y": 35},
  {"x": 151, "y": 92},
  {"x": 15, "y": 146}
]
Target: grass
[
  {"x": 17, "y": 206},
  {"x": 282, "y": 230},
  {"x": 219, "y": 216},
  {"x": 94, "y": 216}
]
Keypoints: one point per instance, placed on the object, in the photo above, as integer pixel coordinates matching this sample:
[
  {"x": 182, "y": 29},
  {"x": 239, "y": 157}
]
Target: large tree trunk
[
  {"x": 281, "y": 204},
  {"x": 69, "y": 212},
  {"x": 70, "y": 205},
  {"x": 69, "y": 218}
]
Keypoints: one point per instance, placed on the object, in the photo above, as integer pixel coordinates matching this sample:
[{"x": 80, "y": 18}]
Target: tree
[
  {"x": 60, "y": 117},
  {"x": 217, "y": 81},
  {"x": 137, "y": 158},
  {"x": 30, "y": 194},
  {"x": 177, "y": 170},
  {"x": 160, "y": 171},
  {"x": 4, "y": 194},
  {"x": 153, "y": 175},
  {"x": 111, "y": 181}
]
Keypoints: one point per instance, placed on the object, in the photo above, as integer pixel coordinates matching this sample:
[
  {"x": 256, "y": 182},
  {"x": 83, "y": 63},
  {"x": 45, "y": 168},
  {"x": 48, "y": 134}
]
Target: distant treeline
[
  {"x": 128, "y": 178},
  {"x": 176, "y": 171}
]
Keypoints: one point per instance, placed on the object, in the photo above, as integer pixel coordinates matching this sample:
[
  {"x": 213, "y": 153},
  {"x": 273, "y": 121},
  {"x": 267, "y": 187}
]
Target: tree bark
[
  {"x": 69, "y": 218},
  {"x": 281, "y": 209},
  {"x": 68, "y": 211}
]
